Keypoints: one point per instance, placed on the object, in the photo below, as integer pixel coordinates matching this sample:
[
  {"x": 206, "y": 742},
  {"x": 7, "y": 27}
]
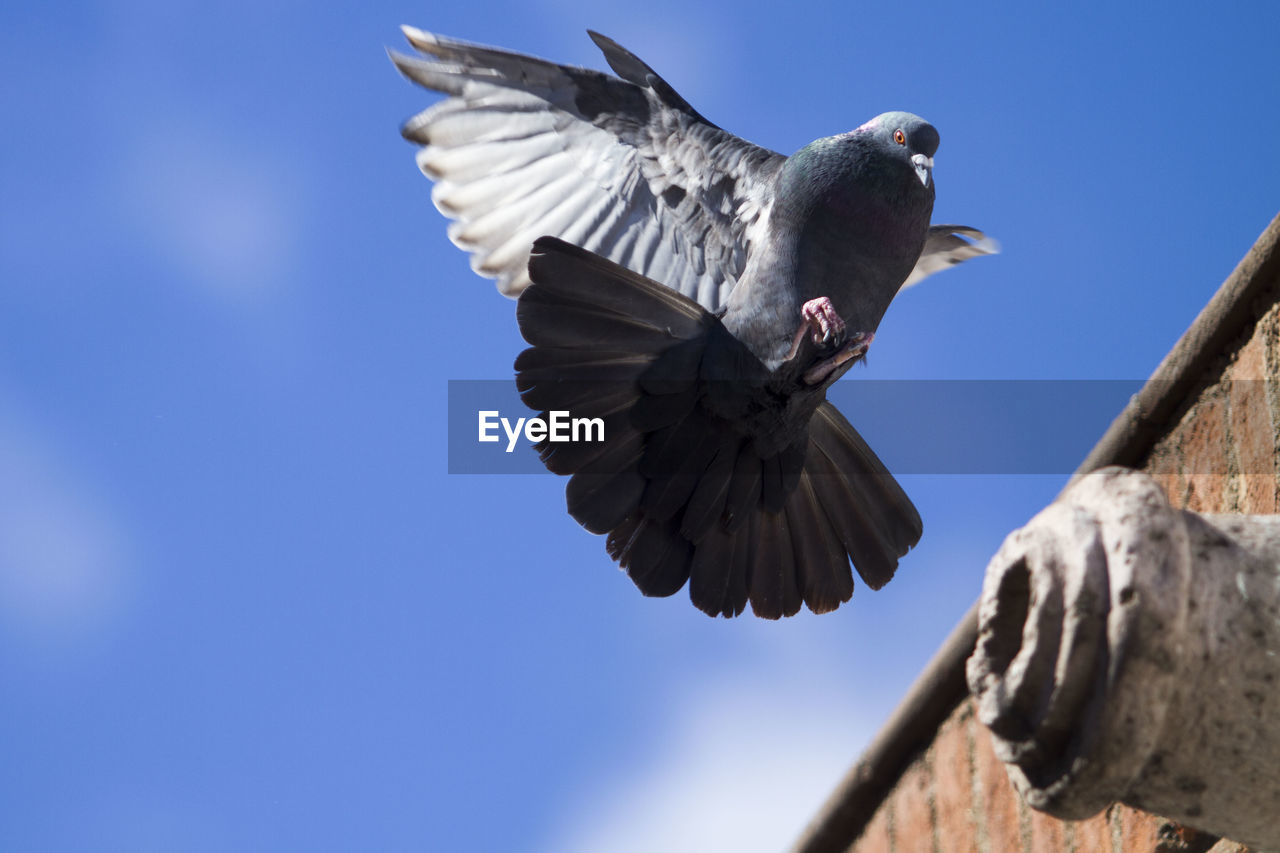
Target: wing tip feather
[{"x": 421, "y": 39}]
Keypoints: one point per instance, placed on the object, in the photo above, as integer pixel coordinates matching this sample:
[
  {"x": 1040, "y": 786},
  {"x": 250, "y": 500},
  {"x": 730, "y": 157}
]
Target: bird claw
[
  {"x": 820, "y": 321},
  {"x": 821, "y": 317},
  {"x": 855, "y": 348}
]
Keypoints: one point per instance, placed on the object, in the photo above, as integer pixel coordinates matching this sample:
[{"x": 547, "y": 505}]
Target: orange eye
[{"x": 899, "y": 137}]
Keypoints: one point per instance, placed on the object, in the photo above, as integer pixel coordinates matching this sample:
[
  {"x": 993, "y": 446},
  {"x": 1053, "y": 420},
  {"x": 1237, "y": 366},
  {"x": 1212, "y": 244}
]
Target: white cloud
[
  {"x": 222, "y": 215},
  {"x": 744, "y": 766},
  {"x": 63, "y": 566}
]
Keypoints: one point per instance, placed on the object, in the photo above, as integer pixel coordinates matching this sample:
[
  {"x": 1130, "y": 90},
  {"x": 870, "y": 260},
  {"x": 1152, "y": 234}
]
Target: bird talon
[
  {"x": 821, "y": 318},
  {"x": 854, "y": 348}
]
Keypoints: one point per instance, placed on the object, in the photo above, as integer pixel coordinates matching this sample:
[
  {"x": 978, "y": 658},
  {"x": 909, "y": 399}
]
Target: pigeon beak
[{"x": 924, "y": 167}]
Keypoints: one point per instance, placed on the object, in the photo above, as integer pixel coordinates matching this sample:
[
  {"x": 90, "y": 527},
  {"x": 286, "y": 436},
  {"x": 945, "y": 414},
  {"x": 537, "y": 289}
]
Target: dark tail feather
[
  {"x": 566, "y": 458},
  {"x": 774, "y": 593},
  {"x": 571, "y": 276},
  {"x": 718, "y": 573},
  {"x": 744, "y": 489},
  {"x": 609, "y": 343},
  {"x": 706, "y": 504},
  {"x": 556, "y": 364},
  {"x": 871, "y": 514},
  {"x": 656, "y": 557},
  {"x": 821, "y": 560},
  {"x": 555, "y": 322},
  {"x": 608, "y": 488},
  {"x": 683, "y": 485},
  {"x": 675, "y": 460},
  {"x": 584, "y": 399}
]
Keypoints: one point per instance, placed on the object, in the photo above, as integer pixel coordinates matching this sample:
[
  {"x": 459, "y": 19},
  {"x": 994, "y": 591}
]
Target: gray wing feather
[
  {"x": 947, "y": 245},
  {"x": 624, "y": 167}
]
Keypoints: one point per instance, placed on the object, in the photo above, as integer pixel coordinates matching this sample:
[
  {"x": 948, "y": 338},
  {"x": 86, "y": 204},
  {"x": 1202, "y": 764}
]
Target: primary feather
[{"x": 623, "y": 167}]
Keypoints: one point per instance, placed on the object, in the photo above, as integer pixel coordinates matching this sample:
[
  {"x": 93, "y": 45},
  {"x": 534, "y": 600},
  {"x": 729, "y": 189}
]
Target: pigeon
[{"x": 697, "y": 294}]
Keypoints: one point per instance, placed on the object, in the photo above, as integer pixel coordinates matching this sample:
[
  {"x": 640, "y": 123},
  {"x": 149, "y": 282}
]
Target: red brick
[
  {"x": 1254, "y": 447},
  {"x": 1173, "y": 486},
  {"x": 1250, "y": 361},
  {"x": 1268, "y": 331},
  {"x": 1257, "y": 494},
  {"x": 1048, "y": 834},
  {"x": 953, "y": 784},
  {"x": 1139, "y": 831},
  {"x": 1252, "y": 431},
  {"x": 1205, "y": 492},
  {"x": 1092, "y": 835},
  {"x": 997, "y": 803},
  {"x": 1203, "y": 442},
  {"x": 876, "y": 838},
  {"x": 912, "y": 810}
]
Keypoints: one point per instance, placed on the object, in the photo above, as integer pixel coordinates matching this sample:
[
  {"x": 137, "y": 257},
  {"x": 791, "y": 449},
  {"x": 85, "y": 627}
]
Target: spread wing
[{"x": 621, "y": 166}]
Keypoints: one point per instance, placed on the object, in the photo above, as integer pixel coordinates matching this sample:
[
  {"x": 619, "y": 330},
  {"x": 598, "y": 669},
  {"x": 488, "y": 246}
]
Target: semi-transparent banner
[{"x": 914, "y": 426}]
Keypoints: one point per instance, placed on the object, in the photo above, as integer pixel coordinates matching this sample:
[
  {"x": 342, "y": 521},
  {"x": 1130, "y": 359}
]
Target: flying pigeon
[{"x": 699, "y": 294}]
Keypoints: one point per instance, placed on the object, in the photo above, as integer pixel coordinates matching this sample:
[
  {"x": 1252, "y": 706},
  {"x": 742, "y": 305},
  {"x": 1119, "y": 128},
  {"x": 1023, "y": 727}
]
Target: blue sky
[{"x": 242, "y": 604}]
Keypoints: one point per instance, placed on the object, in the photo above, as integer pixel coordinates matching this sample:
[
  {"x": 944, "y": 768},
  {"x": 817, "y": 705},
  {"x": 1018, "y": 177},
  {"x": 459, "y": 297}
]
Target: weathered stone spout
[{"x": 1128, "y": 651}]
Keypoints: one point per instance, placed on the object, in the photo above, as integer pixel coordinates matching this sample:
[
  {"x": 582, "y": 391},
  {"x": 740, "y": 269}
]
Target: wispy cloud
[
  {"x": 63, "y": 552},
  {"x": 223, "y": 213},
  {"x": 743, "y": 767}
]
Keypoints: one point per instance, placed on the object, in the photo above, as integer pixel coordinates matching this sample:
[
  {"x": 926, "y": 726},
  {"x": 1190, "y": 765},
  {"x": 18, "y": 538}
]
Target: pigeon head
[
  {"x": 891, "y": 156},
  {"x": 906, "y": 138}
]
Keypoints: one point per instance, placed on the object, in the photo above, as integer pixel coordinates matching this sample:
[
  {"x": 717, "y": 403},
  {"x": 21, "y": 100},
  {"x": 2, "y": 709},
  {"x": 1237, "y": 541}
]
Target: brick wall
[
  {"x": 956, "y": 798},
  {"x": 1220, "y": 456}
]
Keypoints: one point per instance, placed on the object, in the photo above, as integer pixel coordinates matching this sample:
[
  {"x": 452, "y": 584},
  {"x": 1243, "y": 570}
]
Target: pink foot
[
  {"x": 822, "y": 318},
  {"x": 819, "y": 319}
]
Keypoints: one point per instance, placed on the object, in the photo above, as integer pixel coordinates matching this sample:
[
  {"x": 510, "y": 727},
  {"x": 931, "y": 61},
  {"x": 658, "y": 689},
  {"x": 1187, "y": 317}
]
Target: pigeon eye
[{"x": 899, "y": 137}]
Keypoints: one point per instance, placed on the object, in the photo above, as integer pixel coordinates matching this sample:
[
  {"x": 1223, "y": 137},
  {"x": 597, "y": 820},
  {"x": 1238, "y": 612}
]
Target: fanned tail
[{"x": 689, "y": 483}]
